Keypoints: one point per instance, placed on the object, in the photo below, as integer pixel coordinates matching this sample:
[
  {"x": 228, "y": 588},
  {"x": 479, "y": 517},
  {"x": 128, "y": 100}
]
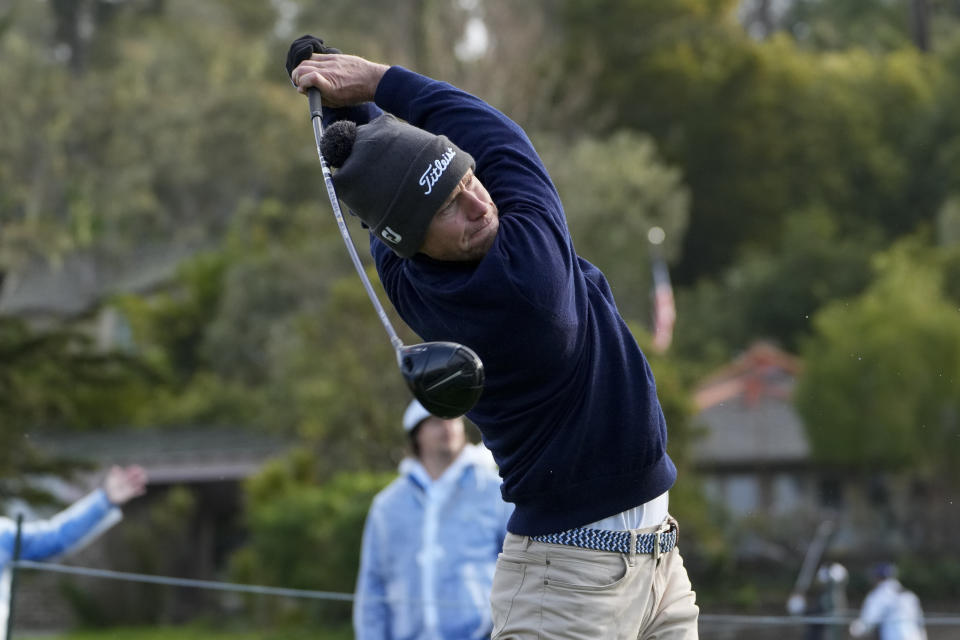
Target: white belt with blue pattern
[{"x": 657, "y": 543}]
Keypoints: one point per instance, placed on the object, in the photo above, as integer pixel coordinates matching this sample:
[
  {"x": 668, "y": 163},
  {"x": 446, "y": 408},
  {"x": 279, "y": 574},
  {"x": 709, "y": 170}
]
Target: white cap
[{"x": 414, "y": 415}]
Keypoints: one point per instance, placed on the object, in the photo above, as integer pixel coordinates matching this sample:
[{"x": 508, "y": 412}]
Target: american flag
[{"x": 664, "y": 311}]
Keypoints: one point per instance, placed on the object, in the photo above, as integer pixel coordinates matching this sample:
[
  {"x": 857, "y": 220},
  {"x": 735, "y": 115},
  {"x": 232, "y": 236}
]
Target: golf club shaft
[{"x": 316, "y": 116}]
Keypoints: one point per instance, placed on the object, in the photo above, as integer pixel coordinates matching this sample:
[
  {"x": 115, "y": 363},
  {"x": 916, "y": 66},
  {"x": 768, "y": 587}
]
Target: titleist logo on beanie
[
  {"x": 435, "y": 171},
  {"x": 394, "y": 176}
]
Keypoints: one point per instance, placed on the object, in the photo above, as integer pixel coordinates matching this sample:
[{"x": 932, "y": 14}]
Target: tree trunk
[
  {"x": 765, "y": 18},
  {"x": 920, "y": 24},
  {"x": 423, "y": 35}
]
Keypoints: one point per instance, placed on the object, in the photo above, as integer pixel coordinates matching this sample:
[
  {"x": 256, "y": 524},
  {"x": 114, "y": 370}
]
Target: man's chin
[{"x": 483, "y": 239}]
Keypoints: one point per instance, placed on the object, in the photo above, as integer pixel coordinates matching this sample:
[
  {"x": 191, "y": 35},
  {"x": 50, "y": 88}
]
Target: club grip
[{"x": 316, "y": 102}]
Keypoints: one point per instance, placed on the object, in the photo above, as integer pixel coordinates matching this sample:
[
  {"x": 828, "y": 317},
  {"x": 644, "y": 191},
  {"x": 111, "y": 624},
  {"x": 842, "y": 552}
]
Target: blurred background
[{"x": 174, "y": 291}]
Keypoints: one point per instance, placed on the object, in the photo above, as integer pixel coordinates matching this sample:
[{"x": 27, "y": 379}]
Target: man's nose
[{"x": 473, "y": 205}]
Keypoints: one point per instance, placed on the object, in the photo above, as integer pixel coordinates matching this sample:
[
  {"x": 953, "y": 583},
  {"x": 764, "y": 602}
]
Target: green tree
[
  {"x": 873, "y": 24},
  {"x": 290, "y": 518},
  {"x": 338, "y": 378},
  {"x": 760, "y": 129},
  {"x": 106, "y": 166},
  {"x": 880, "y": 387},
  {"x": 275, "y": 332},
  {"x": 774, "y": 293},
  {"x": 56, "y": 379}
]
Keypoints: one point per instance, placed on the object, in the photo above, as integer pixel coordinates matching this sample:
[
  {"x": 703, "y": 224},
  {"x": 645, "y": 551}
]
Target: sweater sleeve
[
  {"x": 507, "y": 163},
  {"x": 533, "y": 256},
  {"x": 67, "y": 531},
  {"x": 359, "y": 113}
]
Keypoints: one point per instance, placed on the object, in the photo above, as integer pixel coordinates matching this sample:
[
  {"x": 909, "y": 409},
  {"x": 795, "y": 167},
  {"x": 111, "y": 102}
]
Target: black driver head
[{"x": 446, "y": 377}]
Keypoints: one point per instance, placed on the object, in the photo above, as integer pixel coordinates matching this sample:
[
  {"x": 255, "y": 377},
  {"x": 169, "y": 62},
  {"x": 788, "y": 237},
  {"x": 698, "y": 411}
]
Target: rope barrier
[
  {"x": 718, "y": 619},
  {"x": 943, "y": 620},
  {"x": 183, "y": 582}
]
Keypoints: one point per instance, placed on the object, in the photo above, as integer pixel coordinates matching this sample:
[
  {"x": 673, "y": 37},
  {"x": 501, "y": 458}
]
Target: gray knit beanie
[{"x": 394, "y": 176}]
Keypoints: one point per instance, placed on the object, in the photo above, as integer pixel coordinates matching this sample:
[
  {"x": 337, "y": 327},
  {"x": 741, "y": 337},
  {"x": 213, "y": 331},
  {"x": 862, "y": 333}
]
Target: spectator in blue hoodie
[
  {"x": 890, "y": 611},
  {"x": 69, "y": 530},
  {"x": 431, "y": 539},
  {"x": 471, "y": 243}
]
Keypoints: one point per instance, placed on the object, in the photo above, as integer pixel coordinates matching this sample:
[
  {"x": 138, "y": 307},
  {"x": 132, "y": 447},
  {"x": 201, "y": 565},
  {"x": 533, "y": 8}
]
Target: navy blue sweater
[{"x": 569, "y": 408}]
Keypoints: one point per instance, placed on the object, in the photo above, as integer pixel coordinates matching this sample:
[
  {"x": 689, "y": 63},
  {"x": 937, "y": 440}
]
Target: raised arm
[
  {"x": 507, "y": 162},
  {"x": 80, "y": 523}
]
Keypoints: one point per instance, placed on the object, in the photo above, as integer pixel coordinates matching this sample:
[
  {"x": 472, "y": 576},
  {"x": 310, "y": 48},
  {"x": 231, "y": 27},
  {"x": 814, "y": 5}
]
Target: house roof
[
  {"x": 172, "y": 456},
  {"x": 762, "y": 370},
  {"x": 80, "y": 281},
  {"x": 746, "y": 410}
]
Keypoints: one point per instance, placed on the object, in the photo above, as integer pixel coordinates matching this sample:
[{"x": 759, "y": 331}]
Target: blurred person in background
[
  {"x": 828, "y": 598},
  {"x": 890, "y": 609},
  {"x": 70, "y": 530},
  {"x": 431, "y": 539}
]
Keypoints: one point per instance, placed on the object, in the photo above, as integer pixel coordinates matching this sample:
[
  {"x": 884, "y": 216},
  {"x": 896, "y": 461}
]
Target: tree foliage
[
  {"x": 290, "y": 519},
  {"x": 881, "y": 388},
  {"x": 876, "y": 26},
  {"x": 774, "y": 293},
  {"x": 760, "y": 129},
  {"x": 56, "y": 378}
]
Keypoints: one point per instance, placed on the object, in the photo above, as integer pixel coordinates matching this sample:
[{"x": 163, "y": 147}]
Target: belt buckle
[{"x": 656, "y": 546}]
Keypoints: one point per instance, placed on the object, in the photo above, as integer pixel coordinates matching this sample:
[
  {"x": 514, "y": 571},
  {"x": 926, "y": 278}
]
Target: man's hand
[
  {"x": 343, "y": 80},
  {"x": 125, "y": 483},
  {"x": 858, "y": 628},
  {"x": 302, "y": 48},
  {"x": 796, "y": 604}
]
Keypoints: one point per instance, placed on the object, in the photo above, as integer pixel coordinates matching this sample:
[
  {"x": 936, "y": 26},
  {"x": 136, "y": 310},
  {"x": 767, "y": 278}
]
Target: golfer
[{"x": 471, "y": 244}]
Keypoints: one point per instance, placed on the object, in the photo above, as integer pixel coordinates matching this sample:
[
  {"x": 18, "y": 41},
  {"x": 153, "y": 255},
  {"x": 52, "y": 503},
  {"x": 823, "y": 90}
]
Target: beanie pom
[{"x": 337, "y": 142}]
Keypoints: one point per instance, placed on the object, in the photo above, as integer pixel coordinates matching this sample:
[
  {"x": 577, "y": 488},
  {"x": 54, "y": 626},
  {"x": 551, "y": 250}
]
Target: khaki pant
[{"x": 548, "y": 591}]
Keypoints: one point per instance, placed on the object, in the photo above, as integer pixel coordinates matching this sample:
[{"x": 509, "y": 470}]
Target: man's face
[
  {"x": 441, "y": 438},
  {"x": 465, "y": 226}
]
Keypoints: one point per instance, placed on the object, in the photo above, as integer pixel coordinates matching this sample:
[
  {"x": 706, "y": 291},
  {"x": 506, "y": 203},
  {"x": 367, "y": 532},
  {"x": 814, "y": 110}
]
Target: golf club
[{"x": 446, "y": 377}]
